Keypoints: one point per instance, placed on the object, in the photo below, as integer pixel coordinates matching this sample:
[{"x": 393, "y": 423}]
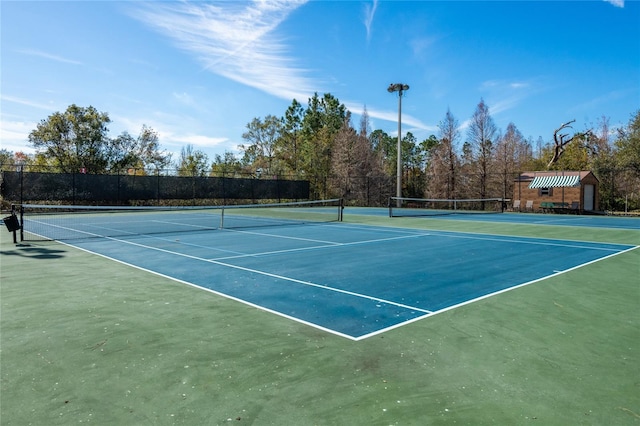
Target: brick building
[{"x": 556, "y": 191}]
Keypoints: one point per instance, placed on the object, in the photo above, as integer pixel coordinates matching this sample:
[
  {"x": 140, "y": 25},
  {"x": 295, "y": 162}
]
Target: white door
[{"x": 588, "y": 197}]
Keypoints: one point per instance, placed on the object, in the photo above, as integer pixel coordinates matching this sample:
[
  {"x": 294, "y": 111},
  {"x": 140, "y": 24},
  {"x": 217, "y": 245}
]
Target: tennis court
[
  {"x": 322, "y": 323},
  {"x": 352, "y": 280},
  {"x": 551, "y": 219}
]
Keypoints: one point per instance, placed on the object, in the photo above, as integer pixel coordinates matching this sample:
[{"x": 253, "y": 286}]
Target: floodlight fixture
[{"x": 400, "y": 88}]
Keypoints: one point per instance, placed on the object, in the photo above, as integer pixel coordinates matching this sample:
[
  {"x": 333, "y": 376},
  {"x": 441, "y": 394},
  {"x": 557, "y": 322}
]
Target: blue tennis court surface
[
  {"x": 350, "y": 280},
  {"x": 593, "y": 221}
]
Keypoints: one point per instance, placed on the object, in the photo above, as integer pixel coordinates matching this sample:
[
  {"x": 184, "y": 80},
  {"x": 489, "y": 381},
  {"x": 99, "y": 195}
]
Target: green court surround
[{"x": 84, "y": 339}]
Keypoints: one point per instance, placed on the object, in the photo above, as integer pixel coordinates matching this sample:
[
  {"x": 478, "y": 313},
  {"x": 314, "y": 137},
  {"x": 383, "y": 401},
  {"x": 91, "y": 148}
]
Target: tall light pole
[{"x": 400, "y": 88}]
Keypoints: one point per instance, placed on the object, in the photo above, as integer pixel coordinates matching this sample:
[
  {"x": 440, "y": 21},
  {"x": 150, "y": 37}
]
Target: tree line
[{"x": 321, "y": 144}]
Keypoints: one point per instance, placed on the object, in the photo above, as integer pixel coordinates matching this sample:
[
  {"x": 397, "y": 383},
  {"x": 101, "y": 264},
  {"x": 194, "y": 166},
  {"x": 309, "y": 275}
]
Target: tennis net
[
  {"x": 60, "y": 222},
  {"x": 407, "y": 207}
]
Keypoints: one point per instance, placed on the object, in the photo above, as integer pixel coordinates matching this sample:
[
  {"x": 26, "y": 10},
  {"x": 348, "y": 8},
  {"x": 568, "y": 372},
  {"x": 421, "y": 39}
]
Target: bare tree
[
  {"x": 482, "y": 134},
  {"x": 587, "y": 140},
  {"x": 560, "y": 142},
  {"x": 365, "y": 125},
  {"x": 354, "y": 164},
  {"x": 508, "y": 154},
  {"x": 444, "y": 163}
]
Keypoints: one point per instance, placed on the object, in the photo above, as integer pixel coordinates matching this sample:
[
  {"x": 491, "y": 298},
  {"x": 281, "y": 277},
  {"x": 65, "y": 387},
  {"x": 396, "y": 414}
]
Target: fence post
[
  {"x": 193, "y": 188},
  {"x": 278, "y": 188},
  {"x": 21, "y": 184},
  {"x": 21, "y": 222},
  {"x": 157, "y": 186},
  {"x": 224, "y": 190}
]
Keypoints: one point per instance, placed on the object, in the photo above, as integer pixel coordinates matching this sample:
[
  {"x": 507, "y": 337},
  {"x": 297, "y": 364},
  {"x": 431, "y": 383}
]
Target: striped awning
[{"x": 554, "y": 181}]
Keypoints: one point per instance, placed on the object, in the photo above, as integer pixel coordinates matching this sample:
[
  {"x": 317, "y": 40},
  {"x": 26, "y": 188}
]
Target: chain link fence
[
  {"x": 21, "y": 185},
  {"x": 619, "y": 188}
]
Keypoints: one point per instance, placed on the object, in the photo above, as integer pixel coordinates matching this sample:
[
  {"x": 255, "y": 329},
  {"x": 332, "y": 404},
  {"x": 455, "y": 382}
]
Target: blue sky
[{"x": 198, "y": 72}]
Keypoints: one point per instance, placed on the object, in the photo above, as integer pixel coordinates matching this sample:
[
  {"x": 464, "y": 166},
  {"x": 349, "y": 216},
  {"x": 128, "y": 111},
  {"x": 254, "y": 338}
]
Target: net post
[
  {"x": 341, "y": 210},
  {"x": 222, "y": 218},
  {"x": 13, "y": 213},
  {"x": 21, "y": 223},
  {"x": 390, "y": 207}
]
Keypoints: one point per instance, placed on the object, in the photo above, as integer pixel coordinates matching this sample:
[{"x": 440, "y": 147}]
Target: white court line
[
  {"x": 239, "y": 255},
  {"x": 268, "y": 274},
  {"x": 199, "y": 287},
  {"x": 506, "y": 239},
  {"x": 331, "y": 245},
  {"x": 208, "y": 247},
  {"x": 278, "y": 236},
  {"x": 134, "y": 234},
  {"x": 119, "y": 230},
  {"x": 495, "y": 293},
  {"x": 498, "y": 237},
  {"x": 417, "y": 233}
]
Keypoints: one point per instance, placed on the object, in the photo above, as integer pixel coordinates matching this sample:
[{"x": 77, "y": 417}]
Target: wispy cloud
[
  {"x": 420, "y": 45},
  {"x": 235, "y": 40},
  {"x": 170, "y": 129},
  {"x": 184, "y": 98},
  {"x": 597, "y": 103},
  {"x": 196, "y": 140},
  {"x": 369, "y": 13},
  {"x": 616, "y": 3},
  {"x": 49, "y": 56},
  {"x": 15, "y": 134},
  {"x": 503, "y": 85},
  {"x": 392, "y": 116},
  {"x": 504, "y": 95},
  {"x": 26, "y": 102}
]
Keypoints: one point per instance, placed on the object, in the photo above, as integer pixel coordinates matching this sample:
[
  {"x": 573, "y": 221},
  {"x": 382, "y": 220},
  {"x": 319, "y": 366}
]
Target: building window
[{"x": 545, "y": 192}]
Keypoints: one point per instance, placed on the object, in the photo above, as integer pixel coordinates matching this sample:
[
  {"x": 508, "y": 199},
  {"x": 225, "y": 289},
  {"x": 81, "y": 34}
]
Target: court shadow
[{"x": 26, "y": 250}]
